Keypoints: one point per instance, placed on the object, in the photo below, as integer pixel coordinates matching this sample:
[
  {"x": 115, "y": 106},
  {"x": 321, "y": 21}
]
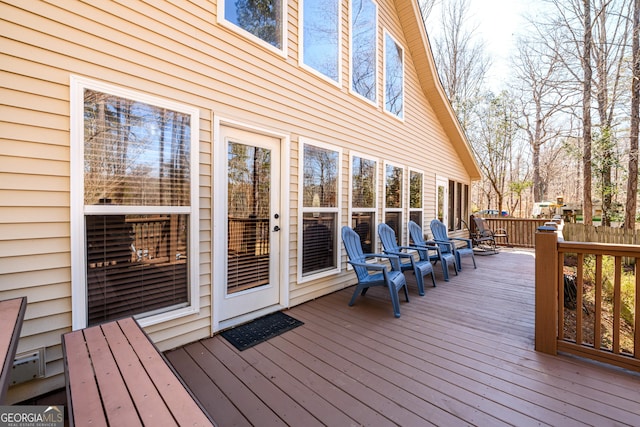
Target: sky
[{"x": 498, "y": 21}]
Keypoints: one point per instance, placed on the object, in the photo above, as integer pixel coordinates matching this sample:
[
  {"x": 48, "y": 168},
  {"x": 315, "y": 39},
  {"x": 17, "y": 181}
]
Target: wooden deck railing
[
  {"x": 521, "y": 231},
  {"x": 602, "y": 322}
]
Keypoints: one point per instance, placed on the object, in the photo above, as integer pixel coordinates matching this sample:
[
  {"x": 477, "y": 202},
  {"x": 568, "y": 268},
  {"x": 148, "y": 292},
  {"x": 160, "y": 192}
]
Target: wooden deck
[{"x": 461, "y": 355}]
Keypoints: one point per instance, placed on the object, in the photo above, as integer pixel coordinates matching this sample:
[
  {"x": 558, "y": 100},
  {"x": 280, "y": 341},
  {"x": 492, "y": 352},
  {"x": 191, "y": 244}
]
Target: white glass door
[{"x": 252, "y": 224}]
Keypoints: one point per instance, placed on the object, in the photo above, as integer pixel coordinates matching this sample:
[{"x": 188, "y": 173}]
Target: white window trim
[
  {"x": 78, "y": 209},
  {"x": 301, "y": 210},
  {"x": 384, "y": 77},
  {"x": 377, "y": 50},
  {"x": 376, "y": 207},
  {"x": 403, "y": 204},
  {"x": 301, "y": 62},
  {"x": 421, "y": 208},
  {"x": 244, "y": 33}
]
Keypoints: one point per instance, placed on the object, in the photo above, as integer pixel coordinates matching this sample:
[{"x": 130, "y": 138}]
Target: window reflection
[
  {"x": 393, "y": 77},
  {"x": 393, "y": 187},
  {"x": 321, "y": 30},
  {"x": 363, "y": 201},
  {"x": 262, "y": 18},
  {"x": 135, "y": 154},
  {"x": 393, "y": 200},
  {"x": 320, "y": 177},
  {"x": 363, "y": 48},
  {"x": 415, "y": 190},
  {"x": 363, "y": 180}
]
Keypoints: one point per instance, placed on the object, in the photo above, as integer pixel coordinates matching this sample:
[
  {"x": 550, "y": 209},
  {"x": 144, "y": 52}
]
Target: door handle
[{"x": 276, "y": 228}]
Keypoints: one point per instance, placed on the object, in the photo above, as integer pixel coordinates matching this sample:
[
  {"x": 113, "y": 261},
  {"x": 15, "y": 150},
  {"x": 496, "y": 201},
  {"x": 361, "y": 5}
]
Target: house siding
[{"x": 179, "y": 52}]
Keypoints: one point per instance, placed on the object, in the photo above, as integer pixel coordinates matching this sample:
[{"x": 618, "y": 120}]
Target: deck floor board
[{"x": 461, "y": 355}]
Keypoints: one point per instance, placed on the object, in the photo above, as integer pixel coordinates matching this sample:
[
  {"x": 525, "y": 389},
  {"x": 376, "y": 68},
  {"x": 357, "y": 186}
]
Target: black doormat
[{"x": 259, "y": 330}]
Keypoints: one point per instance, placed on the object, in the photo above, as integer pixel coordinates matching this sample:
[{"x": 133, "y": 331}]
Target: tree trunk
[
  {"x": 586, "y": 115},
  {"x": 632, "y": 182}
]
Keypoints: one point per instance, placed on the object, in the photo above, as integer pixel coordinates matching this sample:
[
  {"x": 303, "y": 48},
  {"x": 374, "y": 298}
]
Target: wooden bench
[
  {"x": 11, "y": 317},
  {"x": 116, "y": 377}
]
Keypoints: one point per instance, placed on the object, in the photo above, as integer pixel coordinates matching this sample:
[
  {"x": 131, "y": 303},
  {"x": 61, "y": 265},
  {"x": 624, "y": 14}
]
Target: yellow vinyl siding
[{"x": 179, "y": 52}]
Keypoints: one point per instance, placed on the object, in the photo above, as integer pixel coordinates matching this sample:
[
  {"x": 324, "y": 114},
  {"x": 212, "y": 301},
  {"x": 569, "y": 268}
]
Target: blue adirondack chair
[
  {"x": 420, "y": 268},
  {"x": 439, "y": 231},
  {"x": 433, "y": 251},
  {"x": 382, "y": 275}
]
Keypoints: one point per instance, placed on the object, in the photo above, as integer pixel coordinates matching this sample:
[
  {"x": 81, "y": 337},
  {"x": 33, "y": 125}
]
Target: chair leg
[
  {"x": 359, "y": 289},
  {"x": 456, "y": 266},
  {"x": 406, "y": 292},
  {"x": 395, "y": 301},
  {"x": 445, "y": 270},
  {"x": 419, "y": 281},
  {"x": 433, "y": 278},
  {"x": 458, "y": 262}
]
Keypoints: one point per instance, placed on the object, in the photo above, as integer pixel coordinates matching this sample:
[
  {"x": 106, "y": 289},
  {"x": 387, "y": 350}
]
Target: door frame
[{"x": 218, "y": 234}]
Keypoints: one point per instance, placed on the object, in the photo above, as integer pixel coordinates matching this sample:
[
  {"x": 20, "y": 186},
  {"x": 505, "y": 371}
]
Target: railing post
[{"x": 546, "y": 323}]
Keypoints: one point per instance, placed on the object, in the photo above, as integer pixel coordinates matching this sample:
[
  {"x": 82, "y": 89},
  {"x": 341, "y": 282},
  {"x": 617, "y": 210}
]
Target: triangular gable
[{"x": 420, "y": 48}]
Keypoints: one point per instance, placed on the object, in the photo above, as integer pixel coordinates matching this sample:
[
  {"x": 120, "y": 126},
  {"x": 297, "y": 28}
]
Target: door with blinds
[{"x": 252, "y": 224}]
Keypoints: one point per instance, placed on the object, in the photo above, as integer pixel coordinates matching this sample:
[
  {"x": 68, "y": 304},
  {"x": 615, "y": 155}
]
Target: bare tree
[
  {"x": 587, "y": 206},
  {"x": 426, "y": 7},
  {"x": 610, "y": 39},
  {"x": 537, "y": 69},
  {"x": 460, "y": 56},
  {"x": 492, "y": 142},
  {"x": 571, "y": 20},
  {"x": 632, "y": 183}
]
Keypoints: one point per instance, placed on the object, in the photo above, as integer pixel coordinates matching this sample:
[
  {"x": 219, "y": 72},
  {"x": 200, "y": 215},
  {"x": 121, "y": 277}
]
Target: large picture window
[
  {"x": 320, "y": 208},
  {"x": 135, "y": 196},
  {"x": 263, "y": 19},
  {"x": 364, "y": 200},
  {"x": 393, "y": 77},
  {"x": 364, "y": 48},
  {"x": 321, "y": 37},
  {"x": 393, "y": 199}
]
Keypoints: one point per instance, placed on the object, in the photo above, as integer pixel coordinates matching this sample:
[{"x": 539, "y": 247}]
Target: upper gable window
[
  {"x": 321, "y": 37},
  {"x": 393, "y": 77},
  {"x": 364, "y": 48},
  {"x": 262, "y": 18}
]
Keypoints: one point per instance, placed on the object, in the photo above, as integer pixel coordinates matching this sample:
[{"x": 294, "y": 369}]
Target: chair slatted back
[
  {"x": 439, "y": 231},
  {"x": 351, "y": 241},
  {"x": 388, "y": 238}
]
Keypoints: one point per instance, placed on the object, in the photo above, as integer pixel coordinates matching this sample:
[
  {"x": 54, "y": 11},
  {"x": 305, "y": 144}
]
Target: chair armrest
[
  {"x": 393, "y": 259},
  {"x": 445, "y": 243},
  {"x": 426, "y": 248},
  {"x": 462, "y": 239},
  {"x": 367, "y": 265},
  {"x": 400, "y": 254}
]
